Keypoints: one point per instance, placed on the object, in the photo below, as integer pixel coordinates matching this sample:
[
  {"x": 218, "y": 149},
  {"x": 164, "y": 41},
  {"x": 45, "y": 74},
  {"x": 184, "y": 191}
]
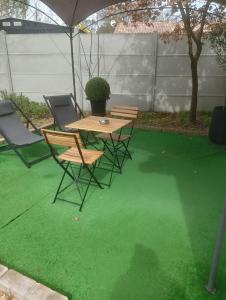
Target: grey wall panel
[
  {"x": 172, "y": 48},
  {"x": 173, "y": 65},
  {"x": 166, "y": 103},
  {"x": 212, "y": 85},
  {"x": 138, "y": 74},
  {"x": 123, "y": 99},
  {"x": 127, "y": 65},
  {"x": 120, "y": 65},
  {"x": 38, "y": 43},
  {"x": 181, "y": 85},
  {"x": 174, "y": 84},
  {"x": 3, "y": 64},
  {"x": 43, "y": 84},
  {"x": 208, "y": 103},
  {"x": 137, "y": 85},
  {"x": 40, "y": 64},
  {"x": 123, "y": 44},
  {"x": 209, "y": 67},
  {"x": 4, "y": 82},
  {"x": 2, "y": 42}
]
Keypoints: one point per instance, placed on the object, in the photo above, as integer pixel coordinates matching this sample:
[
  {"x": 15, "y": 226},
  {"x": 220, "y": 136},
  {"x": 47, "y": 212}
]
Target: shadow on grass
[
  {"x": 142, "y": 277},
  {"x": 199, "y": 169},
  {"x": 35, "y": 151}
]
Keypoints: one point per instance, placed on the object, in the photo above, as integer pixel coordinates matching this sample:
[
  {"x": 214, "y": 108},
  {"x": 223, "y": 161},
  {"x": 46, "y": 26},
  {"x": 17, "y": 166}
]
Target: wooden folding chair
[
  {"x": 121, "y": 140},
  {"x": 75, "y": 154}
]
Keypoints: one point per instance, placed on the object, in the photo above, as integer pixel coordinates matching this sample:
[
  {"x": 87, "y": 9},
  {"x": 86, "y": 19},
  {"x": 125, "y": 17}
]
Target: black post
[
  {"x": 72, "y": 61},
  {"x": 211, "y": 285}
]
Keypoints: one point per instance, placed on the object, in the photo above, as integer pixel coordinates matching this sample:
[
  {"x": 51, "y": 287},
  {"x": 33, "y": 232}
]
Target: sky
[{"x": 35, "y": 15}]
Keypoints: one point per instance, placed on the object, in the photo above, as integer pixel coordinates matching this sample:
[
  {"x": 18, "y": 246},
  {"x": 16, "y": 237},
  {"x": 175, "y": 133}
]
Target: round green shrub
[{"x": 97, "y": 89}]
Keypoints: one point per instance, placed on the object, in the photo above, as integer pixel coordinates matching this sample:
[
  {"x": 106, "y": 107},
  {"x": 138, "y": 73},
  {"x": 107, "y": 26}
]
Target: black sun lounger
[{"x": 15, "y": 133}]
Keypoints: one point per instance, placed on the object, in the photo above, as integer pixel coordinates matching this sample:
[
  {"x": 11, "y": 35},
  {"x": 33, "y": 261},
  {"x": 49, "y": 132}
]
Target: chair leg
[
  {"x": 112, "y": 171},
  {"x": 126, "y": 152},
  {"x": 114, "y": 161},
  {"x": 80, "y": 170},
  {"x": 86, "y": 139},
  {"x": 106, "y": 146},
  {"x": 84, "y": 196},
  {"x": 61, "y": 182},
  {"x": 27, "y": 164},
  {"x": 75, "y": 180},
  {"x": 5, "y": 148},
  {"x": 103, "y": 149},
  {"x": 126, "y": 148},
  {"x": 115, "y": 152},
  {"x": 93, "y": 176},
  {"x": 95, "y": 138}
]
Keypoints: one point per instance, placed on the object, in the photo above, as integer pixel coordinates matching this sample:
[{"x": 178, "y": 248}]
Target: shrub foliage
[
  {"x": 32, "y": 109},
  {"x": 97, "y": 89}
]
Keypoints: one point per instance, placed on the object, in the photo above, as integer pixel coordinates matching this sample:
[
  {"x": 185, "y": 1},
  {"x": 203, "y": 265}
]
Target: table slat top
[{"x": 92, "y": 123}]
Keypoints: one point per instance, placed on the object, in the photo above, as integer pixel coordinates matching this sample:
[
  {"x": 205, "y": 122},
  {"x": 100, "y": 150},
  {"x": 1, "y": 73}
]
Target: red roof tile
[{"x": 140, "y": 27}]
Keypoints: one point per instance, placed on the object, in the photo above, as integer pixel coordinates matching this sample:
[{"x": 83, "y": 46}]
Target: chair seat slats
[
  {"x": 124, "y": 111},
  {"x": 89, "y": 156},
  {"x": 131, "y": 108},
  {"x": 125, "y": 115}
]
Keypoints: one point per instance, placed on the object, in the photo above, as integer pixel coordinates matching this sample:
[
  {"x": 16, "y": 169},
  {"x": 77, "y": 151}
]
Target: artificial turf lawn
[{"x": 150, "y": 236}]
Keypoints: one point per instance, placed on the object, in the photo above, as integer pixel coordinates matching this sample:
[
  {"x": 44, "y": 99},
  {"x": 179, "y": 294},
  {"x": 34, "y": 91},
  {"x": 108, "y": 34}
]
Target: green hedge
[{"x": 32, "y": 109}]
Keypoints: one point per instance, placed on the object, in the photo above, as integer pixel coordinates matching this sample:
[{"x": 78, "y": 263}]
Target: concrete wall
[{"x": 141, "y": 69}]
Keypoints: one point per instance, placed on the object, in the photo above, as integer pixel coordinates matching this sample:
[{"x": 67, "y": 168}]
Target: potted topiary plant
[{"x": 98, "y": 92}]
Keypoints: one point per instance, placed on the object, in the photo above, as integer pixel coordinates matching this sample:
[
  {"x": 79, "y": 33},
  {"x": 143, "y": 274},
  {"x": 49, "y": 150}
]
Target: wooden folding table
[{"x": 92, "y": 123}]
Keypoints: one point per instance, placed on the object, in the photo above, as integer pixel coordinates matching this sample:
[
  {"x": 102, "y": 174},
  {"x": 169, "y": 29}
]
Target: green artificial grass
[{"x": 150, "y": 236}]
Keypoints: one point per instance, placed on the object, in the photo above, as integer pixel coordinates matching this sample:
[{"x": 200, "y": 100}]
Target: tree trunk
[{"x": 195, "y": 87}]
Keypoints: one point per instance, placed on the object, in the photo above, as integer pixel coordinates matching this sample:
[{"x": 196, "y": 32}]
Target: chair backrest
[
  {"x": 66, "y": 139},
  {"x": 128, "y": 112},
  {"x": 11, "y": 127},
  {"x": 64, "y": 109}
]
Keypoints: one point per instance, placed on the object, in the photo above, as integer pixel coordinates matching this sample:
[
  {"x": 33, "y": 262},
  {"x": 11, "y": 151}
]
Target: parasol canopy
[{"x": 72, "y": 12}]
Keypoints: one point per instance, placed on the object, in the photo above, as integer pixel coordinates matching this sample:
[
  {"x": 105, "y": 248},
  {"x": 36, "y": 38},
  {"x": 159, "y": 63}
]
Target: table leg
[{"x": 115, "y": 150}]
